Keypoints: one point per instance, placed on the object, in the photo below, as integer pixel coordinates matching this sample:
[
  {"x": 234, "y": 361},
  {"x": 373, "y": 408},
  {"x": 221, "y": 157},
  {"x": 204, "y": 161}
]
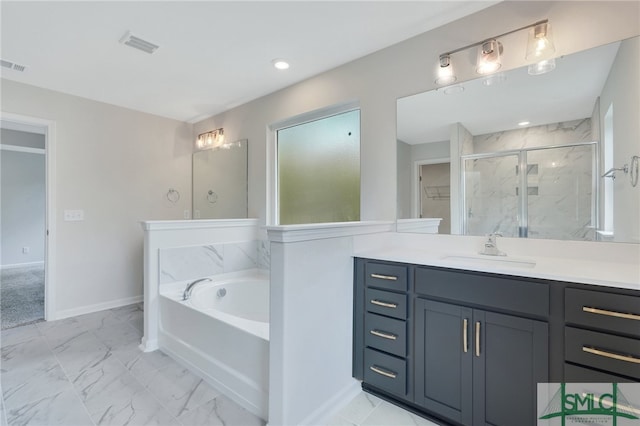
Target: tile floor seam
[
  {"x": 153, "y": 395},
  {"x": 128, "y": 371},
  {"x": 66, "y": 375}
]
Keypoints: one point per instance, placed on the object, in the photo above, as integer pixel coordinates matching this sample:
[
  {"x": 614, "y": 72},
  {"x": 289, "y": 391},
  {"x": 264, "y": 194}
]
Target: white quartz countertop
[{"x": 608, "y": 274}]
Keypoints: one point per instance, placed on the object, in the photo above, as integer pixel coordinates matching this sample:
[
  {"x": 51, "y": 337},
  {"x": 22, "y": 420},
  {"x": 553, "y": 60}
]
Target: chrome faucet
[
  {"x": 187, "y": 291},
  {"x": 491, "y": 246}
]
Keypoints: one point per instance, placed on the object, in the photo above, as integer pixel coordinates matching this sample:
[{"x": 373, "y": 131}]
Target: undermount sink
[{"x": 503, "y": 261}]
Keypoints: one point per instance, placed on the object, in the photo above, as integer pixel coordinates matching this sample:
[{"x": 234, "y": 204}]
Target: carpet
[{"x": 21, "y": 296}]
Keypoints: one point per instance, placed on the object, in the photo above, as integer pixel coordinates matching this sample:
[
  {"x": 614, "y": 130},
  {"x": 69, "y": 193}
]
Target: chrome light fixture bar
[
  {"x": 539, "y": 47},
  {"x": 211, "y": 139}
]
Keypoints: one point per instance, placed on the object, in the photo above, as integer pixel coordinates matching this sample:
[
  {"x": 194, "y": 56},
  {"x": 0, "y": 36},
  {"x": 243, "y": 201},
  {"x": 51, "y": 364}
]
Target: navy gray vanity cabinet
[
  {"x": 602, "y": 336},
  {"x": 475, "y": 366},
  {"x": 443, "y": 367},
  {"x": 381, "y": 357},
  {"x": 466, "y": 347}
]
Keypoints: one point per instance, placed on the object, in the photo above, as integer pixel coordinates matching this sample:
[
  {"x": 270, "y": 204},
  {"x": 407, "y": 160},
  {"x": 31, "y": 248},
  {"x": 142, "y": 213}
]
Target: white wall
[
  {"x": 117, "y": 165},
  {"x": 621, "y": 89},
  {"x": 22, "y": 208},
  {"x": 377, "y": 80}
]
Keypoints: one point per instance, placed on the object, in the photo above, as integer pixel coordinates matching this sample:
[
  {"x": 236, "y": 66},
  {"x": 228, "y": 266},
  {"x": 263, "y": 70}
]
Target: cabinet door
[
  {"x": 510, "y": 356},
  {"x": 443, "y": 359}
]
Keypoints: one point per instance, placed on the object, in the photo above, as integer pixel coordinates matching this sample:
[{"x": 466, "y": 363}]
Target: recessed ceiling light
[
  {"x": 524, "y": 123},
  {"x": 280, "y": 64},
  {"x": 452, "y": 90}
]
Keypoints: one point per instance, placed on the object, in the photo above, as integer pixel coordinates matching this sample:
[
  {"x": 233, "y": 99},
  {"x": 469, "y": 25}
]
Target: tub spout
[{"x": 187, "y": 291}]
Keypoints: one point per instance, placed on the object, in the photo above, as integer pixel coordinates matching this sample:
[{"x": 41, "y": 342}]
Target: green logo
[{"x": 582, "y": 407}]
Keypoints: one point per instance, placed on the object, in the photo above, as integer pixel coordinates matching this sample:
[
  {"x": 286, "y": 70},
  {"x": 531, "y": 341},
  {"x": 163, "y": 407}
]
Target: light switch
[
  {"x": 186, "y": 214},
  {"x": 73, "y": 215}
]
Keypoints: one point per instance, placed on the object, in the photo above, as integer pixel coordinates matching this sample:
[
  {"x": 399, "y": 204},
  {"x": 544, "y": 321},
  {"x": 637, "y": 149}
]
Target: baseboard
[
  {"x": 21, "y": 265},
  {"x": 89, "y": 309},
  {"x": 333, "y": 405}
]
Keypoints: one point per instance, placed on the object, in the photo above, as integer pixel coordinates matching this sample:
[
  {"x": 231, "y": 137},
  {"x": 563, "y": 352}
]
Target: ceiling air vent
[
  {"x": 12, "y": 65},
  {"x": 138, "y": 43}
]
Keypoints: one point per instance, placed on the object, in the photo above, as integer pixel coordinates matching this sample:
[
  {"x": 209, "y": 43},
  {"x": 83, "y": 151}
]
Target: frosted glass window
[{"x": 319, "y": 170}]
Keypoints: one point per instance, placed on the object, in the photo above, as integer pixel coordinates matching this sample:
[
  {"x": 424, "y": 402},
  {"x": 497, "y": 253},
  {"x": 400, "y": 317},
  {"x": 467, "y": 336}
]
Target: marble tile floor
[{"x": 88, "y": 370}]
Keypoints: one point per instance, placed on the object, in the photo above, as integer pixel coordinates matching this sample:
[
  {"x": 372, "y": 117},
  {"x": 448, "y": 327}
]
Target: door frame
[
  {"x": 50, "y": 312},
  {"x": 416, "y": 201}
]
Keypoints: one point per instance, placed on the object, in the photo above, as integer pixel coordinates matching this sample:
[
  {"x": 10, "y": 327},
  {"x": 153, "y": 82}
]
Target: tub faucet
[
  {"x": 491, "y": 246},
  {"x": 187, "y": 291}
]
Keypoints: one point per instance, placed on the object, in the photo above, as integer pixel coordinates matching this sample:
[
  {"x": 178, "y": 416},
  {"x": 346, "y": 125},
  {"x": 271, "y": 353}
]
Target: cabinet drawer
[
  {"x": 615, "y": 354},
  {"x": 504, "y": 293},
  {"x": 577, "y": 374},
  {"x": 381, "y": 275},
  {"x": 617, "y": 313},
  {"x": 386, "y": 303},
  {"x": 385, "y": 334},
  {"x": 385, "y": 372}
]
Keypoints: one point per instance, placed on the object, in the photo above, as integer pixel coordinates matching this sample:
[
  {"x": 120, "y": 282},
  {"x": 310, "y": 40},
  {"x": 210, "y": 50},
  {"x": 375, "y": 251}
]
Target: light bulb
[
  {"x": 489, "y": 57},
  {"x": 540, "y": 44}
]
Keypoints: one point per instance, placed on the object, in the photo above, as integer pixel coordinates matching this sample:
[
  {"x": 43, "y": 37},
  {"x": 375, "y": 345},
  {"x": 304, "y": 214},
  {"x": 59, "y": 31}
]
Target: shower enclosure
[{"x": 542, "y": 192}]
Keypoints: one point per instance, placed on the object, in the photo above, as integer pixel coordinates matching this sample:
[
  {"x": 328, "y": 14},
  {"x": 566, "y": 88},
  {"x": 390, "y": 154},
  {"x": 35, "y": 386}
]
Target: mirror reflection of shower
[{"x": 554, "y": 198}]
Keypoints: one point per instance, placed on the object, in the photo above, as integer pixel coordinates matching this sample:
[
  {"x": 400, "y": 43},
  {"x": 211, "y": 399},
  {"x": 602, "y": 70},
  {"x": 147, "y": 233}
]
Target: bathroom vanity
[{"x": 468, "y": 347}]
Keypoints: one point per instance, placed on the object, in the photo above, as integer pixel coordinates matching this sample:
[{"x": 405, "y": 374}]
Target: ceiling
[
  {"x": 567, "y": 93},
  {"x": 213, "y": 55}
]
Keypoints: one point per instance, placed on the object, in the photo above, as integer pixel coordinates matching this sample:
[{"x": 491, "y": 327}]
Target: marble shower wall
[
  {"x": 185, "y": 263},
  {"x": 534, "y": 137},
  {"x": 560, "y": 189}
]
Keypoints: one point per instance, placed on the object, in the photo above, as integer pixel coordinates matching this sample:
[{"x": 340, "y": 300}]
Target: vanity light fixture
[
  {"x": 540, "y": 49},
  {"x": 212, "y": 139},
  {"x": 445, "y": 71},
  {"x": 540, "y": 45},
  {"x": 489, "y": 57}
]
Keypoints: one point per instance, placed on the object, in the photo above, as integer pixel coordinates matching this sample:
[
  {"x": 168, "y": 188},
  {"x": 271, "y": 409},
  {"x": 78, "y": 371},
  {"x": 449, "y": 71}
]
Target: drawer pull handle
[
  {"x": 478, "y": 338},
  {"x": 610, "y": 313},
  {"x": 384, "y": 277},
  {"x": 384, "y": 304},
  {"x": 384, "y": 335},
  {"x": 465, "y": 338},
  {"x": 383, "y": 372},
  {"x": 627, "y": 358}
]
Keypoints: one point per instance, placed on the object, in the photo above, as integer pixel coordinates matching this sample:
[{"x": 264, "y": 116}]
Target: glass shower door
[
  {"x": 561, "y": 193},
  {"x": 490, "y": 195}
]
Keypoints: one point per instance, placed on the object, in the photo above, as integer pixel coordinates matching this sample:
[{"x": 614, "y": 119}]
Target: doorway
[
  {"x": 24, "y": 213},
  {"x": 435, "y": 193}
]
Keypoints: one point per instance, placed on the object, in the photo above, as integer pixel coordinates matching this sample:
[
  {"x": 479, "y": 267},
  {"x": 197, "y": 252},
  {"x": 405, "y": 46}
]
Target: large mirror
[
  {"x": 524, "y": 155},
  {"x": 220, "y": 182}
]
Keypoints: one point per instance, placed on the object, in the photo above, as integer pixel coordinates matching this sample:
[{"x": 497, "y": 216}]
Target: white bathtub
[{"x": 224, "y": 338}]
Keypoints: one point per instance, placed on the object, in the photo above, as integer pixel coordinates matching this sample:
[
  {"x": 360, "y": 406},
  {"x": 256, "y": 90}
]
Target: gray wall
[
  {"x": 379, "y": 79},
  {"x": 623, "y": 80},
  {"x": 22, "y": 204},
  {"x": 117, "y": 165}
]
